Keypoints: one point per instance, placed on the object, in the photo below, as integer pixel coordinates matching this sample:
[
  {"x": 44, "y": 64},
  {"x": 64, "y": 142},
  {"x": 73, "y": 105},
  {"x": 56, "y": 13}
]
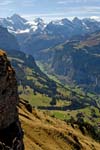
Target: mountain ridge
[
  {"x": 11, "y": 43},
  {"x": 19, "y": 22},
  {"x": 29, "y": 34},
  {"x": 80, "y": 61}
]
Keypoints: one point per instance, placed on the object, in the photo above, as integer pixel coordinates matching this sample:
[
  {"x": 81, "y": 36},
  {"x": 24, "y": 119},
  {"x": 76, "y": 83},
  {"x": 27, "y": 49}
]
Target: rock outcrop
[{"x": 11, "y": 135}]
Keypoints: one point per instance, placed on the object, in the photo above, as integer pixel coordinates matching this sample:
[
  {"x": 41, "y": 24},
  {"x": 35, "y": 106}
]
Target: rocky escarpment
[{"x": 10, "y": 129}]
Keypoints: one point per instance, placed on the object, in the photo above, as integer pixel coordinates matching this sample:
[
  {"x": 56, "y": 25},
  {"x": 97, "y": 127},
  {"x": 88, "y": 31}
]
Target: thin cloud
[
  {"x": 6, "y": 2},
  {"x": 71, "y": 1},
  {"x": 29, "y": 3},
  {"x": 50, "y": 8},
  {"x": 68, "y": 10},
  {"x": 95, "y": 17}
]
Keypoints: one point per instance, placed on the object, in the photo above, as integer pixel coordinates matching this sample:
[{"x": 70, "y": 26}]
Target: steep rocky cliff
[{"x": 11, "y": 134}]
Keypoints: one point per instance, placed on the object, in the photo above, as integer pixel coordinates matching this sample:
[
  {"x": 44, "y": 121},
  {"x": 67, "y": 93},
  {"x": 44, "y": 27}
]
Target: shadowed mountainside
[{"x": 75, "y": 62}]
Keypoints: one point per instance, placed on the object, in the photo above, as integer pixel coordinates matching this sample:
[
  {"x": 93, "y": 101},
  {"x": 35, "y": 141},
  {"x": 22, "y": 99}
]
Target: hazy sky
[{"x": 50, "y": 9}]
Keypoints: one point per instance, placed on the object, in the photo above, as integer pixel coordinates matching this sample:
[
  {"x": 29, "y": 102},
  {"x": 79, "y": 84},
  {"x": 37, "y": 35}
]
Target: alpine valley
[{"x": 57, "y": 67}]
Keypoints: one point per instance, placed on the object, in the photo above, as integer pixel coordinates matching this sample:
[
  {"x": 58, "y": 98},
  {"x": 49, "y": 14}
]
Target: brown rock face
[
  {"x": 10, "y": 129},
  {"x": 8, "y": 93}
]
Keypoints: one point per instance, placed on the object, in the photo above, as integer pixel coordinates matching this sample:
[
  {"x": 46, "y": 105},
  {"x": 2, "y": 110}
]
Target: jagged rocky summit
[{"x": 11, "y": 135}]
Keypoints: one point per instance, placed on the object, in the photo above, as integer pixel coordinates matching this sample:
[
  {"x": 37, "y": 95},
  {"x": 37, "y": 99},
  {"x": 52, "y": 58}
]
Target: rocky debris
[
  {"x": 27, "y": 105},
  {"x": 11, "y": 135}
]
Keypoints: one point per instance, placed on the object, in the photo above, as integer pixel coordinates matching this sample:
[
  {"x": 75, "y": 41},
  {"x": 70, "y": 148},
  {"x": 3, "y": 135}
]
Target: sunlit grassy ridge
[{"x": 42, "y": 132}]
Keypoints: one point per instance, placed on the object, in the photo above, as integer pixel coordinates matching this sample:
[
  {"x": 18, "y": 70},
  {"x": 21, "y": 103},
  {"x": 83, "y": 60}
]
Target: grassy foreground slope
[{"x": 42, "y": 132}]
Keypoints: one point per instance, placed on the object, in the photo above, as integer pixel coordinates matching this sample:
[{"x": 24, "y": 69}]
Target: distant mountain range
[
  {"x": 18, "y": 25},
  {"x": 68, "y": 49},
  {"x": 37, "y": 35}
]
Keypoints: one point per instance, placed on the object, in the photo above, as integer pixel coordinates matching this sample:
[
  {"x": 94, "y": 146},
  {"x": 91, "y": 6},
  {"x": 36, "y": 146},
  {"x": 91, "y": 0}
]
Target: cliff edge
[{"x": 11, "y": 135}]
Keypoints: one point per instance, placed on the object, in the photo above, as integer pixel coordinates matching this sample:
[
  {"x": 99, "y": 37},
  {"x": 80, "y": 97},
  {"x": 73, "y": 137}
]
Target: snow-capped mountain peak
[
  {"x": 16, "y": 19},
  {"x": 18, "y": 25}
]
